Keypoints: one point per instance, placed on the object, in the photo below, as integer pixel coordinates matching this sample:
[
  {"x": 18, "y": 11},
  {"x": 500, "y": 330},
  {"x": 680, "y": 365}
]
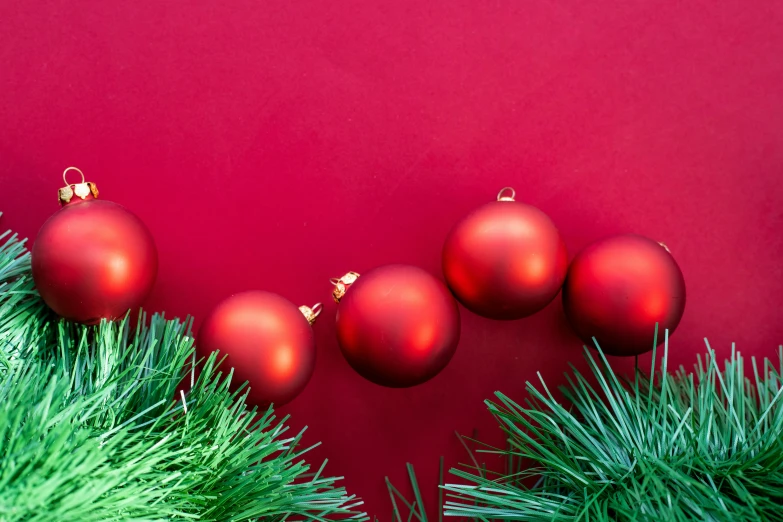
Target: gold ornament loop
[
  {"x": 342, "y": 284},
  {"x": 66, "y": 171},
  {"x": 311, "y": 313},
  {"x": 665, "y": 247},
  {"x": 81, "y": 189},
  {"x": 501, "y": 197}
]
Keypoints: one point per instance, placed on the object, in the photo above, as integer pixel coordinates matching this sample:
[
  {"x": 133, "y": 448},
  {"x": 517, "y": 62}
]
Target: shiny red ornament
[
  {"x": 93, "y": 259},
  {"x": 618, "y": 288},
  {"x": 267, "y": 340},
  {"x": 397, "y": 325},
  {"x": 505, "y": 260}
]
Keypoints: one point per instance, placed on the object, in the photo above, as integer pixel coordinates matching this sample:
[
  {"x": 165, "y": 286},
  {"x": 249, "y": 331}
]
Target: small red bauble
[
  {"x": 397, "y": 325},
  {"x": 505, "y": 260},
  {"x": 93, "y": 259},
  {"x": 267, "y": 340},
  {"x": 618, "y": 288}
]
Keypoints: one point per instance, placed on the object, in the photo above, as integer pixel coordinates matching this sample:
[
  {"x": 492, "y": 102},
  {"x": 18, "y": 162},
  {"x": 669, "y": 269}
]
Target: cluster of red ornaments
[{"x": 397, "y": 325}]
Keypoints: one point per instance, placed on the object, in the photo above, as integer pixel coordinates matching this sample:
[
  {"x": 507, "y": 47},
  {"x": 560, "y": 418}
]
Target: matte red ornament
[
  {"x": 397, "y": 325},
  {"x": 618, "y": 288},
  {"x": 505, "y": 260},
  {"x": 93, "y": 259},
  {"x": 267, "y": 340}
]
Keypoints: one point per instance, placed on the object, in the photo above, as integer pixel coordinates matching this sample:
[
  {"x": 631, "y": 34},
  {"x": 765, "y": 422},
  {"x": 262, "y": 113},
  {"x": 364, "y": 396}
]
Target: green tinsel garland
[
  {"x": 92, "y": 427},
  {"x": 706, "y": 447}
]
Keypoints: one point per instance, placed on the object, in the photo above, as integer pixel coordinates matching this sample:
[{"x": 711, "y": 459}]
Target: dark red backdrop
[{"x": 274, "y": 144}]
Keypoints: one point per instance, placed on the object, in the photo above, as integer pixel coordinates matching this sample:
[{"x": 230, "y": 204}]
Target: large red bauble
[
  {"x": 505, "y": 260},
  {"x": 93, "y": 260},
  {"x": 618, "y": 288},
  {"x": 398, "y": 326},
  {"x": 267, "y": 341}
]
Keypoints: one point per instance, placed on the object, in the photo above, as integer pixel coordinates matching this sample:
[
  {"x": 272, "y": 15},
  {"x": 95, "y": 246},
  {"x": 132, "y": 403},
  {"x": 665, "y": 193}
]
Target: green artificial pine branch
[
  {"x": 706, "y": 446},
  {"x": 92, "y": 427}
]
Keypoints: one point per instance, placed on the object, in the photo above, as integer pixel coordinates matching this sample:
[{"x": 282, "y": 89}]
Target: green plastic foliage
[
  {"x": 704, "y": 446},
  {"x": 93, "y": 426}
]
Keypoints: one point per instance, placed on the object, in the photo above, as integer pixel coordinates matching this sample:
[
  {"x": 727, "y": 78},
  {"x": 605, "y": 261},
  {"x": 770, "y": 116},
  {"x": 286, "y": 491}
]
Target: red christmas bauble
[
  {"x": 397, "y": 325},
  {"x": 93, "y": 259},
  {"x": 618, "y": 288},
  {"x": 267, "y": 340},
  {"x": 505, "y": 260}
]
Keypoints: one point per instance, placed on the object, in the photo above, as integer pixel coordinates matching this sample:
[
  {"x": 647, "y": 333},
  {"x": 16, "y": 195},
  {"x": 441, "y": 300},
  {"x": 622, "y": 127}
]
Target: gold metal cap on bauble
[
  {"x": 311, "y": 313},
  {"x": 342, "y": 284},
  {"x": 82, "y": 190}
]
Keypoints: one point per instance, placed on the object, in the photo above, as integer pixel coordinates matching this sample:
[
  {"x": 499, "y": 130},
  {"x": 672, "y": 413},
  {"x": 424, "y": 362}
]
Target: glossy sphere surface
[
  {"x": 505, "y": 260},
  {"x": 267, "y": 341},
  {"x": 398, "y": 326},
  {"x": 94, "y": 260},
  {"x": 618, "y": 288}
]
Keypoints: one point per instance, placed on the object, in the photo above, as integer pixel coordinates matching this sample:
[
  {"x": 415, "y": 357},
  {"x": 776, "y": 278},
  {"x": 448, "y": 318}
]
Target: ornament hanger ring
[
  {"x": 317, "y": 308},
  {"x": 65, "y": 174},
  {"x": 503, "y": 191}
]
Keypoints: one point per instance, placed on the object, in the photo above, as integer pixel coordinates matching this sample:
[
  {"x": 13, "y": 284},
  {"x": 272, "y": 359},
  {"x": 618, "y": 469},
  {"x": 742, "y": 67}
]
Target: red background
[{"x": 275, "y": 144}]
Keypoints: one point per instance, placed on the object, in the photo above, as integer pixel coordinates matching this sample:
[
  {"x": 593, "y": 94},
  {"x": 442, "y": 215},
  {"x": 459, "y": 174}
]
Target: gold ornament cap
[
  {"x": 342, "y": 284},
  {"x": 311, "y": 313},
  {"x": 82, "y": 190}
]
